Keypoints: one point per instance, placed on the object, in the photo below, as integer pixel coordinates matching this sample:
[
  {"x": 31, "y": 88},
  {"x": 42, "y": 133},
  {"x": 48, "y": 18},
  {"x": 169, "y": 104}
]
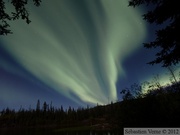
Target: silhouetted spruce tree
[
  {"x": 45, "y": 106},
  {"x": 167, "y": 38},
  {"x": 51, "y": 107},
  {"x": 20, "y": 12},
  {"x": 38, "y": 106}
]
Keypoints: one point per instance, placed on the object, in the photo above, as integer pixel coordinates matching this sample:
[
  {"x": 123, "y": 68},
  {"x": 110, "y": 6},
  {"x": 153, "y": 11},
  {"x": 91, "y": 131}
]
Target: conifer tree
[{"x": 166, "y": 13}]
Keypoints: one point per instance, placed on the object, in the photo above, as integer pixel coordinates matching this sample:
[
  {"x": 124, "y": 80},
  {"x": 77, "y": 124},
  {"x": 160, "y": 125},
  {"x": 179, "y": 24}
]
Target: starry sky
[{"x": 75, "y": 53}]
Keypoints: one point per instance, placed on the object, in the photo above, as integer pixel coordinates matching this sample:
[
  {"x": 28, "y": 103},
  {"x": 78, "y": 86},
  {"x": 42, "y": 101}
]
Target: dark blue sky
[{"x": 75, "y": 54}]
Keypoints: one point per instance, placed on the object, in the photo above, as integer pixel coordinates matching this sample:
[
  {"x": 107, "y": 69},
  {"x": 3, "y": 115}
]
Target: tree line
[
  {"x": 50, "y": 116},
  {"x": 157, "y": 107}
]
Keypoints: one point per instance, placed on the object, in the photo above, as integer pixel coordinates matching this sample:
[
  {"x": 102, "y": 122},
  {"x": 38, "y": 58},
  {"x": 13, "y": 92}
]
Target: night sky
[{"x": 75, "y": 53}]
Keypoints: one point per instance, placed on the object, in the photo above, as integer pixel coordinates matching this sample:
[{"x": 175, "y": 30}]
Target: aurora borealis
[{"x": 75, "y": 47}]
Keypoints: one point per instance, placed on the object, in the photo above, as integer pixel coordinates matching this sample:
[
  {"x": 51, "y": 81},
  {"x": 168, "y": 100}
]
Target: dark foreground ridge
[{"x": 158, "y": 108}]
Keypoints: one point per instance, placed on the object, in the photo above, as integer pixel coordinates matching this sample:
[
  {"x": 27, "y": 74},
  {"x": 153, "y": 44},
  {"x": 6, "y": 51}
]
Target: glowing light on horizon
[
  {"x": 76, "y": 47},
  {"x": 163, "y": 79}
]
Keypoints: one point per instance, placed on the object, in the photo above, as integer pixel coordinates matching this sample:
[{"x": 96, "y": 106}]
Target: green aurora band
[{"x": 77, "y": 47}]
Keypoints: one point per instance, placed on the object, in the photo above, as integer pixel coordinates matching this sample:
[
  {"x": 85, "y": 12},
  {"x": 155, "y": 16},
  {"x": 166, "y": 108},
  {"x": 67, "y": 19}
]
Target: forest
[{"x": 158, "y": 107}]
